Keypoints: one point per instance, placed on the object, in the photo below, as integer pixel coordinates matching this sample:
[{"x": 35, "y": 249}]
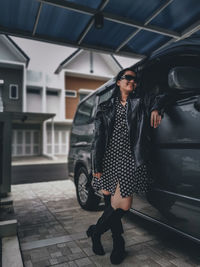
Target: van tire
[{"x": 84, "y": 191}]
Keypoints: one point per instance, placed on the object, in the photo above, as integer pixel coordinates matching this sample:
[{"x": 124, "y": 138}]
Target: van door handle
[{"x": 197, "y": 104}]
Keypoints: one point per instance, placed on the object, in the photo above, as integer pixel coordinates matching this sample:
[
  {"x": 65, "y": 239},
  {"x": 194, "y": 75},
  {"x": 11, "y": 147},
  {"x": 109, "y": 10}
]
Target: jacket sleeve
[
  {"x": 98, "y": 144},
  {"x": 158, "y": 102}
]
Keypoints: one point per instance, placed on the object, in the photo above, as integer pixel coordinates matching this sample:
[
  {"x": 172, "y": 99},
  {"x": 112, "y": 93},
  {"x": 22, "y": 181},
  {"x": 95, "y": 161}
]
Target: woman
[{"x": 120, "y": 156}]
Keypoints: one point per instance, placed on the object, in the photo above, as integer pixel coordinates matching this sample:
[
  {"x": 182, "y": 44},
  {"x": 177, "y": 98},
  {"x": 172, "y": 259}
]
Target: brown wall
[{"x": 76, "y": 83}]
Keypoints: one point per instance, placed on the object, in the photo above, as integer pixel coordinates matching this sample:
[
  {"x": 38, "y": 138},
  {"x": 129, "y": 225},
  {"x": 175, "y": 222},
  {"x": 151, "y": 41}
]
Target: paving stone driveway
[{"x": 52, "y": 228}]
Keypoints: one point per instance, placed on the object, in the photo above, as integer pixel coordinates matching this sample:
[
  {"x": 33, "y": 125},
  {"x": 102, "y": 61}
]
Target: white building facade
[{"x": 43, "y": 105}]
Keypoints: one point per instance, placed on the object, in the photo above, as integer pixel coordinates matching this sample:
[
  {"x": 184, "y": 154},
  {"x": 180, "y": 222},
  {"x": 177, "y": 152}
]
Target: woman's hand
[
  {"x": 97, "y": 175},
  {"x": 155, "y": 118}
]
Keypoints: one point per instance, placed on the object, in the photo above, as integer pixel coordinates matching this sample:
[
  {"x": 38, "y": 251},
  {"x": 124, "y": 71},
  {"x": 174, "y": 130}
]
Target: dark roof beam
[
  {"x": 67, "y": 60},
  {"x": 190, "y": 30},
  {"x": 70, "y": 6},
  {"x": 156, "y": 13},
  {"x": 86, "y": 30},
  {"x": 150, "y": 28},
  {"x": 111, "y": 17},
  {"x": 186, "y": 33},
  {"x": 91, "y": 22},
  {"x": 116, "y": 61},
  {"x": 103, "y": 5},
  {"x": 37, "y": 19},
  {"x": 58, "y": 41}
]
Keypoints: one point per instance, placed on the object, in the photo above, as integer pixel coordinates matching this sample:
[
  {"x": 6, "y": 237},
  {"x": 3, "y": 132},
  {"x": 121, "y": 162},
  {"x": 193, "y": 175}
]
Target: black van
[{"x": 174, "y": 200}]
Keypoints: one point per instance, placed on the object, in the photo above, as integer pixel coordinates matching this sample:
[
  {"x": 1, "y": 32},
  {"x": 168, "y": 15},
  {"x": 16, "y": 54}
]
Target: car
[{"x": 174, "y": 200}]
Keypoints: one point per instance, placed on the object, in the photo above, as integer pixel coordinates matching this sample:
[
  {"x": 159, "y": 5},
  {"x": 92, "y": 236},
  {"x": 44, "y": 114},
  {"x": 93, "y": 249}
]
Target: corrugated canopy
[
  {"x": 30, "y": 117},
  {"x": 132, "y": 28}
]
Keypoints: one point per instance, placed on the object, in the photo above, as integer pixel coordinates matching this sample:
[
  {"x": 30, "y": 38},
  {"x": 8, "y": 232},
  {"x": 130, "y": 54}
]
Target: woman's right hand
[{"x": 97, "y": 175}]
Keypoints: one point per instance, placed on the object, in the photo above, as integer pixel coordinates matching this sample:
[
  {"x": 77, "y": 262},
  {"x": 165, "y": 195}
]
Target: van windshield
[
  {"x": 105, "y": 95},
  {"x": 84, "y": 112}
]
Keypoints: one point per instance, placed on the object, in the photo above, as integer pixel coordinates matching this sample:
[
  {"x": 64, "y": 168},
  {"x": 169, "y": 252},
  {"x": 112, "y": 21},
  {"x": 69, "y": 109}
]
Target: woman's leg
[
  {"x": 102, "y": 225},
  {"x": 121, "y": 206},
  {"x": 117, "y": 201}
]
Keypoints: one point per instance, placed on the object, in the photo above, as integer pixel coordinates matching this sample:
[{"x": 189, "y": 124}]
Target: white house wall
[
  {"x": 34, "y": 103},
  {"x": 28, "y": 140},
  {"x": 53, "y": 81},
  {"x": 110, "y": 61},
  {"x": 35, "y": 78},
  {"x": 47, "y": 103},
  {"x": 100, "y": 66},
  {"x": 82, "y": 64},
  {"x": 53, "y": 105}
]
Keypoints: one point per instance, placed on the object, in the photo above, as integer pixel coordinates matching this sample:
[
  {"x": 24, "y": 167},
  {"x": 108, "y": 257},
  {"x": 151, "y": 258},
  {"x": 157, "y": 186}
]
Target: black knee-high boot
[
  {"x": 118, "y": 252},
  {"x": 118, "y": 223},
  {"x": 95, "y": 231},
  {"x": 106, "y": 200}
]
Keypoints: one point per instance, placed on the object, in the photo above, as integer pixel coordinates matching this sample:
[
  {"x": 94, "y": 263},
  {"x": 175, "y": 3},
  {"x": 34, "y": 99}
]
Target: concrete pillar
[
  {"x": 44, "y": 138},
  {"x": 52, "y": 138},
  {"x": 62, "y": 78}
]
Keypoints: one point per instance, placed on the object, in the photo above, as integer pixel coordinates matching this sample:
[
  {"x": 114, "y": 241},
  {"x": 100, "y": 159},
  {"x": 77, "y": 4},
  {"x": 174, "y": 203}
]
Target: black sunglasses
[{"x": 129, "y": 78}]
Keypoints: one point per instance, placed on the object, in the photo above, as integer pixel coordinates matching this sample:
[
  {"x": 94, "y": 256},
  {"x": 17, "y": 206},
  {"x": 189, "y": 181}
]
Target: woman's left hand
[{"x": 155, "y": 118}]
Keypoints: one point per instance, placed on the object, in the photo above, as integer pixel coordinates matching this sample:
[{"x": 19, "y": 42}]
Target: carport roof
[
  {"x": 131, "y": 28},
  {"x": 30, "y": 117}
]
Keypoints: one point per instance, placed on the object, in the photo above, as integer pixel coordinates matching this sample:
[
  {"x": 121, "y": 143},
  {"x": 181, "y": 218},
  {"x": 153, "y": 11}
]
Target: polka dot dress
[{"x": 118, "y": 161}]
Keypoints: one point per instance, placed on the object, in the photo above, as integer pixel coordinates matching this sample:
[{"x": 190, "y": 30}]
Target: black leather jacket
[{"x": 138, "y": 123}]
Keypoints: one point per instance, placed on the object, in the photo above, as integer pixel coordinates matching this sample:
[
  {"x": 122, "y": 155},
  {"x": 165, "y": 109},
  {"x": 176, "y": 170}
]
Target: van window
[
  {"x": 85, "y": 111},
  {"x": 105, "y": 95}
]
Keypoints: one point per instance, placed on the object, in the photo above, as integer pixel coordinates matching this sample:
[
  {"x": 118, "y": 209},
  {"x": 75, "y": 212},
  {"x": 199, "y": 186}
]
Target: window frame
[
  {"x": 74, "y": 91},
  {"x": 17, "y": 92}
]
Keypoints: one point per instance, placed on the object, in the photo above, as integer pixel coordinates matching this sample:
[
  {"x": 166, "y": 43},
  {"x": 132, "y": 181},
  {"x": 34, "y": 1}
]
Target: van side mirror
[{"x": 184, "y": 78}]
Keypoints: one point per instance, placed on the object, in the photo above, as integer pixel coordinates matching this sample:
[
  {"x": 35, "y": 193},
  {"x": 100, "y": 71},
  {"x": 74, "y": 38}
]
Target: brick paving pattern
[{"x": 52, "y": 225}]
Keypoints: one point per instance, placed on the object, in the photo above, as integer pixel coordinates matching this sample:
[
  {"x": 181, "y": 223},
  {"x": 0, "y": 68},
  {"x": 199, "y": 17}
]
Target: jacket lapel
[{"x": 133, "y": 104}]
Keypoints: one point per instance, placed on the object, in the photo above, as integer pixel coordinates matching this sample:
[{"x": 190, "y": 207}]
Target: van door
[{"x": 175, "y": 197}]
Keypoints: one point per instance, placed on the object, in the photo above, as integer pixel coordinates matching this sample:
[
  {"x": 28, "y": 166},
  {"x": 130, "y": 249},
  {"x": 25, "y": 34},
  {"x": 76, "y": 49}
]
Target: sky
[{"x": 46, "y": 57}]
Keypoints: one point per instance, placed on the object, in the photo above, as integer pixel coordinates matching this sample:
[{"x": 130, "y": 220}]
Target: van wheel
[{"x": 84, "y": 191}]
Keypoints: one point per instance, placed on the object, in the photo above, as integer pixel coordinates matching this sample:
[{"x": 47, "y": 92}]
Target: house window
[
  {"x": 70, "y": 93},
  {"x": 55, "y": 93},
  {"x": 13, "y": 92},
  {"x": 33, "y": 91}
]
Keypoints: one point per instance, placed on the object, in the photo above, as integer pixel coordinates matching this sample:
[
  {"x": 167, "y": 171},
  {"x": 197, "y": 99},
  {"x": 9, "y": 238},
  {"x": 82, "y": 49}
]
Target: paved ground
[{"x": 52, "y": 232}]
